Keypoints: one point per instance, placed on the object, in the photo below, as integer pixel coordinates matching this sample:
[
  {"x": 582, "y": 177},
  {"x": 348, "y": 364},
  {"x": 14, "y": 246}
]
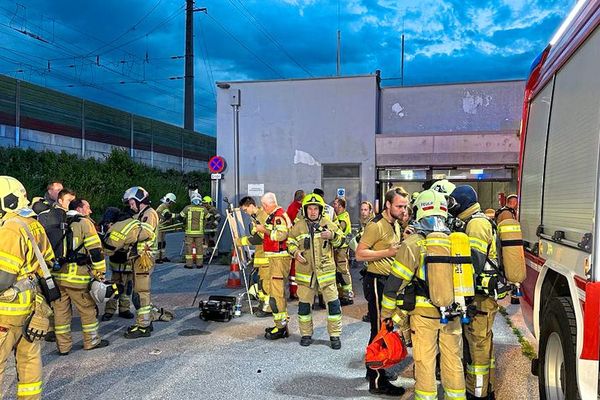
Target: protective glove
[{"x": 37, "y": 324}]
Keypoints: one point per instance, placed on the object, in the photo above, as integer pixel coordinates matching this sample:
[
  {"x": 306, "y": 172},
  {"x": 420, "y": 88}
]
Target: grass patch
[{"x": 526, "y": 348}]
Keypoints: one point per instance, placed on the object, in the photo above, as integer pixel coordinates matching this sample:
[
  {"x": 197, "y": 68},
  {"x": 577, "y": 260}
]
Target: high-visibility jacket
[
  {"x": 343, "y": 220},
  {"x": 194, "y": 219},
  {"x": 126, "y": 233},
  {"x": 84, "y": 254},
  {"x": 278, "y": 225},
  {"x": 257, "y": 239},
  {"x": 164, "y": 213},
  {"x": 305, "y": 237},
  {"x": 20, "y": 265},
  {"x": 149, "y": 220},
  {"x": 408, "y": 264},
  {"x": 212, "y": 216}
]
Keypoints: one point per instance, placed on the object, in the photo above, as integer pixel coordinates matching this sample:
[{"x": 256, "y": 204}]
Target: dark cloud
[{"x": 446, "y": 41}]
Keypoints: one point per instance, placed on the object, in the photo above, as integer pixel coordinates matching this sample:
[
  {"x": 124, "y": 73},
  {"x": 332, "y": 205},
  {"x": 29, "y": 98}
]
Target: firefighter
[
  {"x": 509, "y": 211},
  {"x": 165, "y": 217},
  {"x": 378, "y": 246},
  {"x": 311, "y": 242},
  {"x": 341, "y": 253},
  {"x": 480, "y": 363},
  {"x": 121, "y": 273},
  {"x": 194, "y": 217},
  {"x": 23, "y": 311},
  {"x": 366, "y": 215},
  {"x": 275, "y": 231},
  {"x": 212, "y": 221},
  {"x": 82, "y": 254},
  {"x": 53, "y": 219},
  {"x": 261, "y": 263},
  {"x": 292, "y": 212},
  {"x": 429, "y": 335},
  {"x": 138, "y": 235}
]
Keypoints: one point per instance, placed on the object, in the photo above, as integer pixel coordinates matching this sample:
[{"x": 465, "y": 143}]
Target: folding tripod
[{"x": 233, "y": 220}]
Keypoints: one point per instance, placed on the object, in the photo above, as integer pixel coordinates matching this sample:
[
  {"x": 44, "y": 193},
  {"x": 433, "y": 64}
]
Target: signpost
[{"x": 216, "y": 165}]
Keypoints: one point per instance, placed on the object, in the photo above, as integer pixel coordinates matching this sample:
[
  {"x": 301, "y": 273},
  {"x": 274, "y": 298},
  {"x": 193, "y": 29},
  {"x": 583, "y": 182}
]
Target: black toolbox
[{"x": 217, "y": 308}]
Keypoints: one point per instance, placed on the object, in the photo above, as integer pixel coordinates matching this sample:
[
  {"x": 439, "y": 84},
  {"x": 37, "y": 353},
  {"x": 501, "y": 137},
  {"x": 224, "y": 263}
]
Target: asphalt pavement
[{"x": 188, "y": 358}]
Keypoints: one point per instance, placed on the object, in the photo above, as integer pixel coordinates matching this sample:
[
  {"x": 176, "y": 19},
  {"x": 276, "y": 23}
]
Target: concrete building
[{"x": 349, "y": 133}]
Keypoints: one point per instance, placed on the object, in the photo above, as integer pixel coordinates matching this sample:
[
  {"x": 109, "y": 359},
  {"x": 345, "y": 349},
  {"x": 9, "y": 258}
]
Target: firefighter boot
[
  {"x": 102, "y": 343},
  {"x": 136, "y": 331},
  {"x": 277, "y": 333},
  {"x": 336, "y": 343},
  {"x": 306, "y": 341}
]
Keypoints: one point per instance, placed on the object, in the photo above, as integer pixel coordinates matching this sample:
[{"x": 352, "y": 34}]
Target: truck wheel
[{"x": 557, "y": 359}]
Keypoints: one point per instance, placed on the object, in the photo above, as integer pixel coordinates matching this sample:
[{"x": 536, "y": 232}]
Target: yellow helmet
[
  {"x": 207, "y": 199},
  {"x": 13, "y": 195},
  {"x": 313, "y": 199},
  {"x": 431, "y": 203},
  {"x": 413, "y": 197},
  {"x": 443, "y": 186}
]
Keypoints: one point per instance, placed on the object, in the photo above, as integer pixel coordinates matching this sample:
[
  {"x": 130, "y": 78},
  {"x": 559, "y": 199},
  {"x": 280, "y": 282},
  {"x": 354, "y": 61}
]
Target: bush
[{"x": 101, "y": 182}]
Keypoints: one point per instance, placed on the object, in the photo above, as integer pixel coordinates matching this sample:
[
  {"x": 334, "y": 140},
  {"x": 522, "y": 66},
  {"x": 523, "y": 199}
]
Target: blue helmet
[{"x": 464, "y": 197}]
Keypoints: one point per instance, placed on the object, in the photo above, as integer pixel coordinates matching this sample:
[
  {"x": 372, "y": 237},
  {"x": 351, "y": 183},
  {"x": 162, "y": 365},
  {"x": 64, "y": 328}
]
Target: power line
[
  {"x": 128, "y": 30},
  {"x": 206, "y": 60},
  {"x": 261, "y": 28},
  {"x": 279, "y": 75}
]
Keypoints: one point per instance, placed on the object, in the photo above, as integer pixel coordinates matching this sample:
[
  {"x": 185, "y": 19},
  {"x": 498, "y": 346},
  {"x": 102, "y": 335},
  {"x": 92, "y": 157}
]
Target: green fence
[{"x": 29, "y": 106}]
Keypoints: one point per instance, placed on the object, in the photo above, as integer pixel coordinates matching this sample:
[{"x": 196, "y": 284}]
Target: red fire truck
[{"x": 559, "y": 194}]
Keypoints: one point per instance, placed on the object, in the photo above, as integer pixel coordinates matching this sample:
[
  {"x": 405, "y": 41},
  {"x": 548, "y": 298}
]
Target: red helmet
[{"x": 385, "y": 350}]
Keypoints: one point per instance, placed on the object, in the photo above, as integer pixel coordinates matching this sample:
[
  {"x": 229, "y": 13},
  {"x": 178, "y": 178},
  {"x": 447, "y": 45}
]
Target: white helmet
[
  {"x": 443, "y": 186},
  {"x": 196, "y": 199},
  {"x": 169, "y": 198},
  {"x": 101, "y": 292},
  {"x": 137, "y": 193}
]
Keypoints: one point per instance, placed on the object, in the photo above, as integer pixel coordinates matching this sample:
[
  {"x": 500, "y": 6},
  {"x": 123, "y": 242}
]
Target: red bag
[{"x": 385, "y": 350}]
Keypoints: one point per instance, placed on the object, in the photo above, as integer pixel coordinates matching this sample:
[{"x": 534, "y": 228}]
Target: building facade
[{"x": 348, "y": 134}]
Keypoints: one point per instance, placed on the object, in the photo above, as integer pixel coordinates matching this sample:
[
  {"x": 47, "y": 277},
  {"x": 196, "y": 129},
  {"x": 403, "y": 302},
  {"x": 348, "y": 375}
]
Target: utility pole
[
  {"x": 402, "y": 63},
  {"x": 339, "y": 53},
  {"x": 188, "y": 109}
]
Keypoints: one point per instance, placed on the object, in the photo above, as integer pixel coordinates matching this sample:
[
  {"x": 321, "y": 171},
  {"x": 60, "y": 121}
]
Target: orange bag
[{"x": 385, "y": 350}]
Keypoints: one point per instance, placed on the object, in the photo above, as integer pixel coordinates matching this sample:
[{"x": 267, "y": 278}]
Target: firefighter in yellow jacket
[
  {"x": 23, "y": 311},
  {"x": 480, "y": 364},
  {"x": 341, "y": 253},
  {"x": 194, "y": 217},
  {"x": 311, "y": 242},
  {"x": 165, "y": 217},
  {"x": 429, "y": 334},
  {"x": 260, "y": 261},
  {"x": 138, "y": 234},
  {"x": 82, "y": 259}
]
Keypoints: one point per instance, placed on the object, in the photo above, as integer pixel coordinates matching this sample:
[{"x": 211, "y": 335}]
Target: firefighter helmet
[
  {"x": 207, "y": 199},
  {"x": 169, "y": 198},
  {"x": 443, "y": 186},
  {"x": 431, "y": 203},
  {"x": 138, "y": 193},
  {"x": 13, "y": 195},
  {"x": 313, "y": 199}
]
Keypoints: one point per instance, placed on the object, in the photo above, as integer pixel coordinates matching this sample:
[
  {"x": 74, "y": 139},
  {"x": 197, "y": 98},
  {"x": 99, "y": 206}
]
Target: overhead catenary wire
[
  {"x": 128, "y": 30},
  {"x": 261, "y": 28},
  {"x": 238, "y": 41}
]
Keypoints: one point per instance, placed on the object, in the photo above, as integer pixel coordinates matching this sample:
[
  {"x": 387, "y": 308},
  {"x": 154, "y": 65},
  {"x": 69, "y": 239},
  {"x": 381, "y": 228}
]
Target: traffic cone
[{"x": 234, "y": 281}]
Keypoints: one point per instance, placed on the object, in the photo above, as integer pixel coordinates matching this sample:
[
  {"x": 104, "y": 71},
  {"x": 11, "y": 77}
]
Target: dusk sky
[{"x": 120, "y": 52}]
